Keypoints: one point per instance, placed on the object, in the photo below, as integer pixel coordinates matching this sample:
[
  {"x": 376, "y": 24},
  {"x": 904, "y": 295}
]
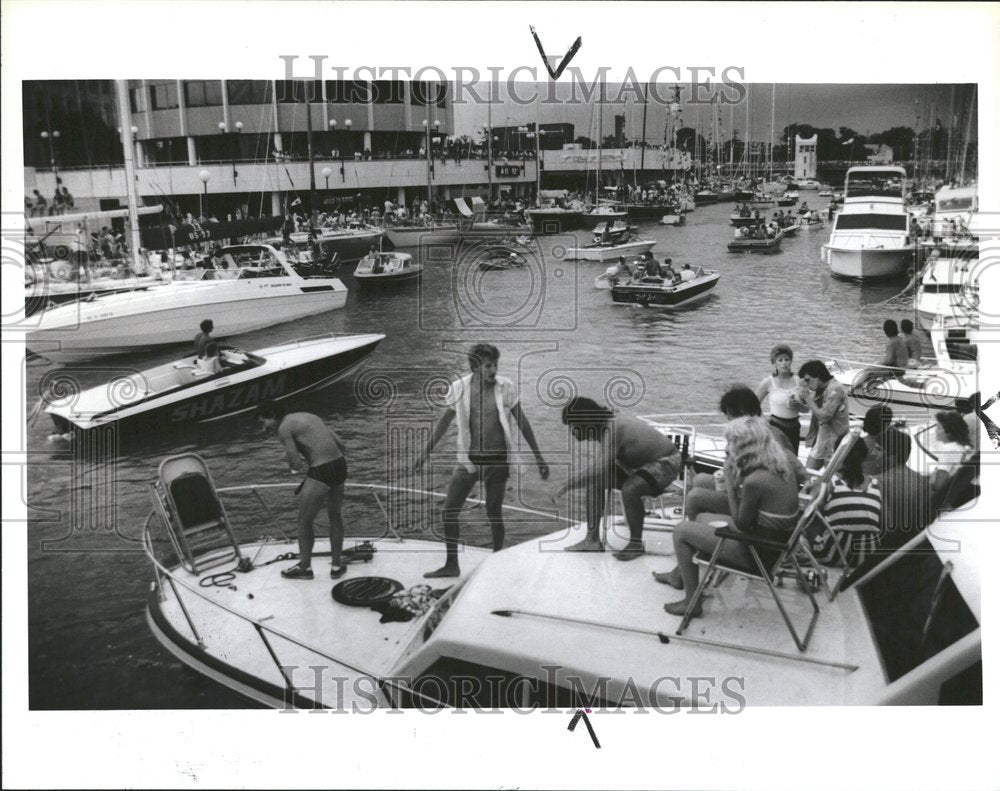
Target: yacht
[
  {"x": 534, "y": 626},
  {"x": 612, "y": 240},
  {"x": 256, "y": 288},
  {"x": 870, "y": 238},
  {"x": 947, "y": 288},
  {"x": 953, "y": 210}
]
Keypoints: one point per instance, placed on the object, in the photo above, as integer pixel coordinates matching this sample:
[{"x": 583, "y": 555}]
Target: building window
[
  {"x": 350, "y": 91},
  {"x": 429, "y": 93},
  {"x": 249, "y": 91},
  {"x": 202, "y": 93},
  {"x": 388, "y": 92},
  {"x": 164, "y": 97},
  {"x": 136, "y": 100},
  {"x": 293, "y": 91}
]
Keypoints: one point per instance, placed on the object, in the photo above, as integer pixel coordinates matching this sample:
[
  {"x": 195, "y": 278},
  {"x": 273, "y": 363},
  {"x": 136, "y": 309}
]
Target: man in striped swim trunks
[{"x": 634, "y": 457}]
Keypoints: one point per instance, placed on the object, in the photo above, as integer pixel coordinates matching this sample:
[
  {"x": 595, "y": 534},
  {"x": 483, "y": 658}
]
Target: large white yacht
[
  {"x": 871, "y": 234},
  {"x": 257, "y": 288}
]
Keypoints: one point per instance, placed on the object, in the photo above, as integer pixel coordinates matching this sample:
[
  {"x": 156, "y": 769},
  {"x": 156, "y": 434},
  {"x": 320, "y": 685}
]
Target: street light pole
[
  {"x": 51, "y": 138},
  {"x": 204, "y": 175},
  {"x": 326, "y": 173},
  {"x": 430, "y": 158}
]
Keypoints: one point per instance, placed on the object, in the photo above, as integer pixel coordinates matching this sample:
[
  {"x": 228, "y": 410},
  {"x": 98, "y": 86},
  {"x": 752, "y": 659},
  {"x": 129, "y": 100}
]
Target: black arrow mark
[
  {"x": 566, "y": 58},
  {"x": 580, "y": 713}
]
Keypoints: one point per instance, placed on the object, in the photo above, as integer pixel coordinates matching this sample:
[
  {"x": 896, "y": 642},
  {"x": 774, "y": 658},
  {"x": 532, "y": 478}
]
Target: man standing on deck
[
  {"x": 304, "y": 435},
  {"x": 484, "y": 403},
  {"x": 634, "y": 457}
]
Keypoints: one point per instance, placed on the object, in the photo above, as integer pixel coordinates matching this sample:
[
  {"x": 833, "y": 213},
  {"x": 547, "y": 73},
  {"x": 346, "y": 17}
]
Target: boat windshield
[
  {"x": 875, "y": 185},
  {"x": 954, "y": 204},
  {"x": 915, "y": 610},
  {"x": 881, "y": 222}
]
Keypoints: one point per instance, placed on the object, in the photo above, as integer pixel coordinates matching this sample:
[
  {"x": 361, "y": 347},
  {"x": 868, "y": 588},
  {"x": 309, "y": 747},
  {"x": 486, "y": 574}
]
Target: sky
[{"x": 864, "y": 108}]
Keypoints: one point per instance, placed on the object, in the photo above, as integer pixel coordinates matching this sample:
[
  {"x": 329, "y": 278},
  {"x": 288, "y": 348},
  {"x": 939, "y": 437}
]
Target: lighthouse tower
[{"x": 805, "y": 157}]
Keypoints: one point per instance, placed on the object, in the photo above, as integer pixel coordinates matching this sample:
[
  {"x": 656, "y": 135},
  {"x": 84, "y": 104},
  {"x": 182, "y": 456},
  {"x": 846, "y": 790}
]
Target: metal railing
[{"x": 263, "y": 630}]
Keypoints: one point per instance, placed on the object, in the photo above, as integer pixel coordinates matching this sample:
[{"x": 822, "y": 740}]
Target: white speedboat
[
  {"x": 420, "y": 234},
  {"x": 258, "y": 289},
  {"x": 947, "y": 288},
  {"x": 611, "y": 242},
  {"x": 186, "y": 390},
  {"x": 534, "y": 626},
  {"x": 39, "y": 293},
  {"x": 871, "y": 234},
  {"x": 675, "y": 218},
  {"x": 788, "y": 198},
  {"x": 806, "y": 184},
  {"x": 387, "y": 267}
]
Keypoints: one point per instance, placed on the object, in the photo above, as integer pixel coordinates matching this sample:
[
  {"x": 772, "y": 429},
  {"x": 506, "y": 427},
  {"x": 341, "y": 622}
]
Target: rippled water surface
[{"x": 89, "y": 645}]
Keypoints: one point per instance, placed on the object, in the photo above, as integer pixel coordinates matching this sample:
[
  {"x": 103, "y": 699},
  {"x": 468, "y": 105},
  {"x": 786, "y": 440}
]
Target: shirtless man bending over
[
  {"x": 485, "y": 404},
  {"x": 306, "y": 436},
  {"x": 634, "y": 457}
]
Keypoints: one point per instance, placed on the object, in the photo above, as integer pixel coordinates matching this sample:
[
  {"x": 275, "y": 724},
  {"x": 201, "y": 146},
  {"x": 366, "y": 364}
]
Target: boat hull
[
  {"x": 755, "y": 245},
  {"x": 94, "y": 330},
  {"x": 867, "y": 264},
  {"x": 416, "y": 236},
  {"x": 226, "y": 395},
  {"x": 611, "y": 253},
  {"x": 550, "y": 222},
  {"x": 642, "y": 211},
  {"x": 659, "y": 297}
]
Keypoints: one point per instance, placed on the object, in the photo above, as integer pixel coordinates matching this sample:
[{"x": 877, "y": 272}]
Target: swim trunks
[
  {"x": 661, "y": 473},
  {"x": 488, "y": 466},
  {"x": 332, "y": 473}
]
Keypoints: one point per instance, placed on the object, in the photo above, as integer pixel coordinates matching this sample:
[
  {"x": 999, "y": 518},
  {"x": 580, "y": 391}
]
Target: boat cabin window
[
  {"x": 954, "y": 204},
  {"x": 882, "y": 185},
  {"x": 942, "y": 288},
  {"x": 915, "y": 609},
  {"x": 458, "y": 683},
  {"x": 881, "y": 222}
]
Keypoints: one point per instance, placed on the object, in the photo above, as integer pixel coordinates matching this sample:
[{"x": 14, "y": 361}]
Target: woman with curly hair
[
  {"x": 777, "y": 390},
  {"x": 951, "y": 444},
  {"x": 763, "y": 498}
]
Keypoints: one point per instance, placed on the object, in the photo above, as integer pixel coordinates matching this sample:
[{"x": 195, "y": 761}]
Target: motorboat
[
  {"x": 954, "y": 208},
  {"x": 40, "y": 293},
  {"x": 919, "y": 391},
  {"x": 197, "y": 390},
  {"x": 744, "y": 219},
  {"x": 806, "y": 184},
  {"x": 788, "y": 198},
  {"x": 750, "y": 245},
  {"x": 871, "y": 237},
  {"x": 557, "y": 213},
  {"x": 329, "y": 245},
  {"x": 672, "y": 218},
  {"x": 383, "y": 268},
  {"x": 826, "y": 192},
  {"x": 811, "y": 221},
  {"x": 533, "y": 626},
  {"x": 257, "y": 288},
  {"x": 606, "y": 213},
  {"x": 706, "y": 196},
  {"x": 790, "y": 225},
  {"x": 611, "y": 242},
  {"x": 947, "y": 287},
  {"x": 659, "y": 292},
  {"x": 653, "y": 210},
  {"x": 417, "y": 234}
]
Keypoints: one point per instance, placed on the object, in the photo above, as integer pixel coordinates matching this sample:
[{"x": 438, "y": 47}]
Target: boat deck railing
[{"x": 170, "y": 578}]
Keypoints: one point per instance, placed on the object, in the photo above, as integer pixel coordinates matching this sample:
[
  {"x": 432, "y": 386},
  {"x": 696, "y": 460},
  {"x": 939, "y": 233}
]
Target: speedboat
[
  {"x": 330, "y": 244},
  {"x": 749, "y": 245},
  {"x": 807, "y": 184},
  {"x": 705, "y": 196},
  {"x": 257, "y": 289},
  {"x": 918, "y": 392},
  {"x": 186, "y": 391},
  {"x": 414, "y": 235},
  {"x": 739, "y": 219},
  {"x": 810, "y": 221},
  {"x": 871, "y": 234},
  {"x": 791, "y": 225},
  {"x": 657, "y": 292},
  {"x": 384, "y": 268},
  {"x": 672, "y": 218},
  {"x": 947, "y": 288},
  {"x": 788, "y": 198},
  {"x": 533, "y": 626},
  {"x": 611, "y": 241},
  {"x": 39, "y": 294}
]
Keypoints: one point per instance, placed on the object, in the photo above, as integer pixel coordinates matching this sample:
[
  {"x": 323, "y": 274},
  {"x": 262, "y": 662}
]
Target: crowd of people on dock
[{"x": 874, "y": 501}]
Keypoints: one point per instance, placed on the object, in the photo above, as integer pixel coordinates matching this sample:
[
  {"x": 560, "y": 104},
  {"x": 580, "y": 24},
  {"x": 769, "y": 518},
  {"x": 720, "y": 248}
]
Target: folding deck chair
[
  {"x": 185, "y": 497},
  {"x": 767, "y": 573}
]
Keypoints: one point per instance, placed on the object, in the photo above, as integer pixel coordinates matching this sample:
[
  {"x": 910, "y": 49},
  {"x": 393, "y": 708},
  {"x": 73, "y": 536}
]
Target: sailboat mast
[
  {"x": 645, "y": 104},
  {"x": 125, "y": 117},
  {"x": 770, "y": 142},
  {"x": 600, "y": 142}
]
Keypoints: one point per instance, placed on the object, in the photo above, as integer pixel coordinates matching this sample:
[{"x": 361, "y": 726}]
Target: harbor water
[{"x": 89, "y": 644}]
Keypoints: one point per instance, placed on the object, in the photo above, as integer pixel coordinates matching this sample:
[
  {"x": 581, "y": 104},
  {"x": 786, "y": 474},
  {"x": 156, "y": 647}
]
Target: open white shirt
[{"x": 459, "y": 398}]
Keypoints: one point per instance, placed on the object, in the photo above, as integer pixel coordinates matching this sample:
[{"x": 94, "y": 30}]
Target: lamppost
[
  {"x": 232, "y": 144},
  {"x": 326, "y": 173},
  {"x": 204, "y": 175},
  {"x": 50, "y": 138},
  {"x": 340, "y": 153},
  {"x": 430, "y": 158},
  {"x": 135, "y": 136}
]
